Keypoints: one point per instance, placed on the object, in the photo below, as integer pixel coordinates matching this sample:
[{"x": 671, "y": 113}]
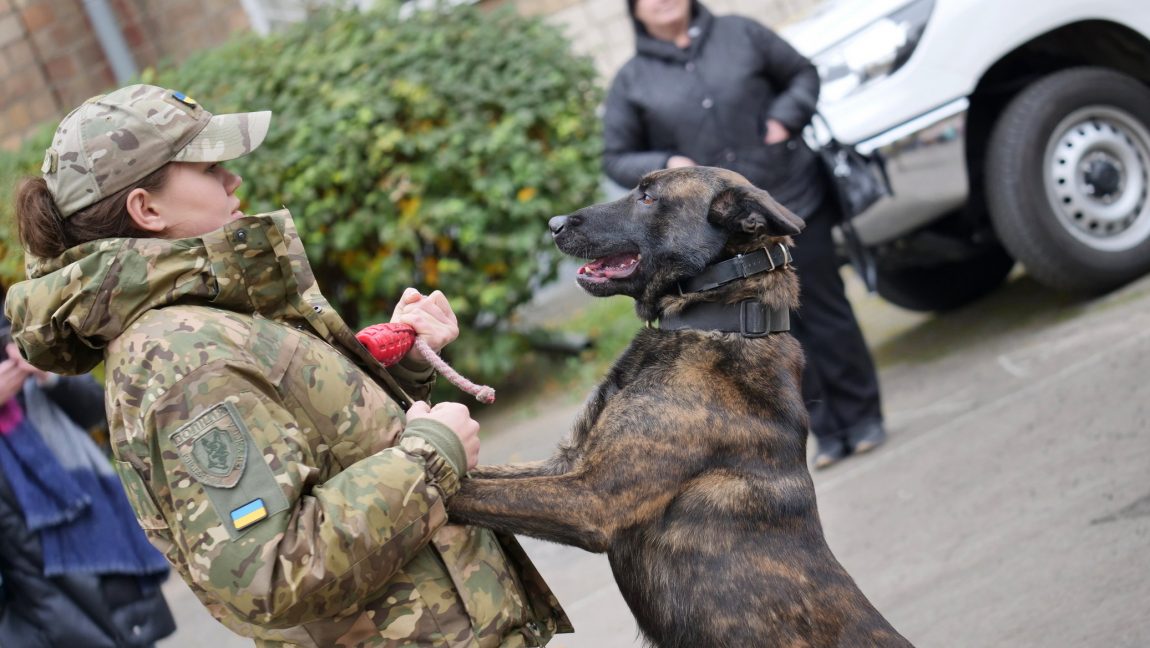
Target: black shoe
[
  {"x": 830, "y": 452},
  {"x": 865, "y": 438}
]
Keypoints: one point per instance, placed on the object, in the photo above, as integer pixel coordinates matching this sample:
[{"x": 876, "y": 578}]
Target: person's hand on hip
[{"x": 776, "y": 132}]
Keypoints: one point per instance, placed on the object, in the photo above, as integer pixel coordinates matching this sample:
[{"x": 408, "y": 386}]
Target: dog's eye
[{"x": 647, "y": 199}]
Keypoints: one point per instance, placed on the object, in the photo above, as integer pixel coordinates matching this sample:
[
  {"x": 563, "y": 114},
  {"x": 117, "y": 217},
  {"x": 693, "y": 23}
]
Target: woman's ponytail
[
  {"x": 45, "y": 233},
  {"x": 38, "y": 221}
]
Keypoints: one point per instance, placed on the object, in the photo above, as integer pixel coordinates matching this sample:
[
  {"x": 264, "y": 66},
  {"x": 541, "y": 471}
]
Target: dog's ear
[{"x": 748, "y": 209}]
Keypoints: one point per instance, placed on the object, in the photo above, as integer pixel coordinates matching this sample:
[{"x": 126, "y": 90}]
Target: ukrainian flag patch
[
  {"x": 183, "y": 98},
  {"x": 249, "y": 514}
]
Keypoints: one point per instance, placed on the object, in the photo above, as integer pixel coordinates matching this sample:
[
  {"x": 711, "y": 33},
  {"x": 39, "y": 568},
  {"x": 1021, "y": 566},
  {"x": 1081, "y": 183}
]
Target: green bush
[
  {"x": 14, "y": 166},
  {"x": 427, "y": 151}
]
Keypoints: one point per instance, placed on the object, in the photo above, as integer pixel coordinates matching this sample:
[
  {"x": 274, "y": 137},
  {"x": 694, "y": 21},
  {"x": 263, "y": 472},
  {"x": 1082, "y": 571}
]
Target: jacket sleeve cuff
[
  {"x": 443, "y": 452},
  {"x": 794, "y": 109},
  {"x": 628, "y": 169},
  {"x": 416, "y": 375},
  {"x": 416, "y": 370},
  {"x": 791, "y": 120}
]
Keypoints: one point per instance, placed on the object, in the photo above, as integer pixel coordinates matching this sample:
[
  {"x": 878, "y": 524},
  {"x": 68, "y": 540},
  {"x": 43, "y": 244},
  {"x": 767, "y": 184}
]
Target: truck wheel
[
  {"x": 946, "y": 286},
  {"x": 1067, "y": 175}
]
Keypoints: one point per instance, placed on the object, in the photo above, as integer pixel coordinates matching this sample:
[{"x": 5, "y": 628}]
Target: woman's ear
[{"x": 143, "y": 212}]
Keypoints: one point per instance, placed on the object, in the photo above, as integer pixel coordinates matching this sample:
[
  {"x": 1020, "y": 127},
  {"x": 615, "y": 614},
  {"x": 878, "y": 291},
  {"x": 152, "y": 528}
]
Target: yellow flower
[
  {"x": 408, "y": 207},
  {"x": 495, "y": 270},
  {"x": 431, "y": 271}
]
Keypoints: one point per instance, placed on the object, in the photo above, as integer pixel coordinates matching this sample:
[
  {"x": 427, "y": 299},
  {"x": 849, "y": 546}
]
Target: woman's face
[
  {"x": 661, "y": 14},
  {"x": 197, "y": 198}
]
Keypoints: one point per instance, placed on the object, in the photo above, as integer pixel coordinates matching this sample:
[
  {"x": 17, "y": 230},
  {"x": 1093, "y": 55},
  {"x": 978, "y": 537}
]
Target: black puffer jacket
[
  {"x": 711, "y": 102},
  {"x": 89, "y": 610}
]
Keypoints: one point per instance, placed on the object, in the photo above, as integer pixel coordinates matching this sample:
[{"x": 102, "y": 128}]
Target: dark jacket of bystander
[
  {"x": 710, "y": 102},
  {"x": 73, "y": 609}
]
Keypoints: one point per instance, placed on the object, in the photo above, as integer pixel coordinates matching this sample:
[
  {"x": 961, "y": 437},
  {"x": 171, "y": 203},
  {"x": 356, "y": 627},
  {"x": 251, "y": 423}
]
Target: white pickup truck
[{"x": 1011, "y": 130}]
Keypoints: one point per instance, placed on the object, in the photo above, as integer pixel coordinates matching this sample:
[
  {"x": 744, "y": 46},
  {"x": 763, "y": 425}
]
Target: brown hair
[{"x": 44, "y": 232}]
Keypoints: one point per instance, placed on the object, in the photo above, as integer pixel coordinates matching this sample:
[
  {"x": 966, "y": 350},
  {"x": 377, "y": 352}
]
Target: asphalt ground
[{"x": 1010, "y": 506}]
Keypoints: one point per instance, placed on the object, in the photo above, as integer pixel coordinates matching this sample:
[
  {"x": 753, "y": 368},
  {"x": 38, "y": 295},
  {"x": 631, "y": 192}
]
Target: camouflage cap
[{"x": 114, "y": 140}]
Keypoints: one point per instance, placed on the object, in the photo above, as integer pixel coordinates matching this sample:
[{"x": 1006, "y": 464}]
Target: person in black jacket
[
  {"x": 726, "y": 91},
  {"x": 76, "y": 608}
]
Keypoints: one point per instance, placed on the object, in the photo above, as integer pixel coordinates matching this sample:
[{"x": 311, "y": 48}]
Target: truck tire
[
  {"x": 1067, "y": 175},
  {"x": 945, "y": 286}
]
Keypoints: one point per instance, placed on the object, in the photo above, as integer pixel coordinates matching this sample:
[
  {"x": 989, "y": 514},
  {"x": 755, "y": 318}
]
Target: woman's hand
[
  {"x": 680, "y": 161},
  {"x": 457, "y": 417},
  {"x": 430, "y": 315},
  {"x": 776, "y": 132}
]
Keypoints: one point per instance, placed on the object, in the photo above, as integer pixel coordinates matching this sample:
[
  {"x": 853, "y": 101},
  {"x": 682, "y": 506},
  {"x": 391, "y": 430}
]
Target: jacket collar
[
  {"x": 647, "y": 45},
  {"x": 72, "y": 306}
]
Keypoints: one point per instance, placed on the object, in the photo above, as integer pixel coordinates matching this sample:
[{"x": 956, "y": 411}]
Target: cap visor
[{"x": 227, "y": 137}]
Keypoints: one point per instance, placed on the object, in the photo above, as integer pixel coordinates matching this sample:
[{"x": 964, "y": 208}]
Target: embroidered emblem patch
[
  {"x": 184, "y": 99},
  {"x": 214, "y": 446},
  {"x": 249, "y": 514}
]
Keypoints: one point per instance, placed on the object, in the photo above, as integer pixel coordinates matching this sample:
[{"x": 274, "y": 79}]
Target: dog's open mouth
[{"x": 617, "y": 266}]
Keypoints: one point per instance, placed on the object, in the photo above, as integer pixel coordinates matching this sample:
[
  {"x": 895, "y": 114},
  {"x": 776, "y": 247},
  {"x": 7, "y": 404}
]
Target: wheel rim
[{"x": 1097, "y": 176}]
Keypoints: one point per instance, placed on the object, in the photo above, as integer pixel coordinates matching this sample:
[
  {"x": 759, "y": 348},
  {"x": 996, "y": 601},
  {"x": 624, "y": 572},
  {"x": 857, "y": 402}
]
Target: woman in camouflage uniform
[{"x": 265, "y": 452}]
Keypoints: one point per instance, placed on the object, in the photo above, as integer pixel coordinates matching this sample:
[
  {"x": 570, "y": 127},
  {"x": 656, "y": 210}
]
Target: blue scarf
[{"x": 70, "y": 494}]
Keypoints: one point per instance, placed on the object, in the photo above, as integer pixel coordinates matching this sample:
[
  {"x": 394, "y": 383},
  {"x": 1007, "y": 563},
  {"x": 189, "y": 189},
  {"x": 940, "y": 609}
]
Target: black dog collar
[
  {"x": 750, "y": 318},
  {"x": 740, "y": 267}
]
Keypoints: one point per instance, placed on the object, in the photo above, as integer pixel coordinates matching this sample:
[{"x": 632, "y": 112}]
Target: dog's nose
[{"x": 557, "y": 224}]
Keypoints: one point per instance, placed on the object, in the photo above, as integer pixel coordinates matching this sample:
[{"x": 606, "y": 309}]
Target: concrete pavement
[{"x": 1011, "y": 506}]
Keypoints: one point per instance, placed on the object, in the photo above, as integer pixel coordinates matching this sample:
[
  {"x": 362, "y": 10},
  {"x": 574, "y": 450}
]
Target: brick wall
[{"x": 51, "y": 60}]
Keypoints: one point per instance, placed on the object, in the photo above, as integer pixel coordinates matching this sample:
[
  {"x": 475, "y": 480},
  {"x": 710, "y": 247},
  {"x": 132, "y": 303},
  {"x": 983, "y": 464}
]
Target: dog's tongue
[{"x": 612, "y": 267}]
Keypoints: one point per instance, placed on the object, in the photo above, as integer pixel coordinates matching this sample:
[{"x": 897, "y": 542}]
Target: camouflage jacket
[{"x": 265, "y": 451}]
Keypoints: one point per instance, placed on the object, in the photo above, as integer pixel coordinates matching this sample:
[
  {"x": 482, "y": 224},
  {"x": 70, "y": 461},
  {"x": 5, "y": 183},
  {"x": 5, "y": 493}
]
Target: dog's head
[{"x": 669, "y": 228}]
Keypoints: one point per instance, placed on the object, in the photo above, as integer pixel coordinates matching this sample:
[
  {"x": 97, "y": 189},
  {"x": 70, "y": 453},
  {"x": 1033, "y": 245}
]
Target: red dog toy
[{"x": 390, "y": 341}]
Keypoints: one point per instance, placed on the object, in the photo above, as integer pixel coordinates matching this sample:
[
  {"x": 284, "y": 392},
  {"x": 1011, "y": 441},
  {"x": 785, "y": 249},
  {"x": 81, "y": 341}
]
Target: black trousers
[{"x": 840, "y": 384}]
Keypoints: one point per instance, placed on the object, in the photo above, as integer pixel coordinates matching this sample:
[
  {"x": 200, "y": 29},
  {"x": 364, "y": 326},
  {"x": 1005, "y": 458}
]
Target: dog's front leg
[
  {"x": 557, "y": 464},
  {"x": 556, "y": 508},
  {"x": 584, "y": 507},
  {"x": 513, "y": 471}
]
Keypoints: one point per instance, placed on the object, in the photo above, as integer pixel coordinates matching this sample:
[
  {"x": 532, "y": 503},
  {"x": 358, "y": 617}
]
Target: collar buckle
[
  {"x": 740, "y": 266},
  {"x": 786, "y": 254},
  {"x": 754, "y": 319}
]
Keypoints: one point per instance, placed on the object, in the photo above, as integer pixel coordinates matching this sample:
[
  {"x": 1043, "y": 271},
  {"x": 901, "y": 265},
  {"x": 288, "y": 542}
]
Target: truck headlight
[{"x": 873, "y": 52}]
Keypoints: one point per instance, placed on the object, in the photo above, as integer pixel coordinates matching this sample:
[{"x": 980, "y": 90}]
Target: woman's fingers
[
  {"x": 431, "y": 316},
  {"x": 436, "y": 332},
  {"x": 437, "y": 303},
  {"x": 410, "y": 296},
  {"x": 457, "y": 418},
  {"x": 418, "y": 408}
]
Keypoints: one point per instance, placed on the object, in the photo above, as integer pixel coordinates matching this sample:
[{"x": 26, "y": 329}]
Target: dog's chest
[{"x": 662, "y": 369}]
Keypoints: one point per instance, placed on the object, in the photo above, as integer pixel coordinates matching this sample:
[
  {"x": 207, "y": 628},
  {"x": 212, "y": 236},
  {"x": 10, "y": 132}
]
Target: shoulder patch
[{"x": 214, "y": 446}]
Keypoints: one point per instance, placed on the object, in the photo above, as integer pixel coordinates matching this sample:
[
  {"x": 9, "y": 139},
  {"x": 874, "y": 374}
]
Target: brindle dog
[{"x": 688, "y": 463}]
